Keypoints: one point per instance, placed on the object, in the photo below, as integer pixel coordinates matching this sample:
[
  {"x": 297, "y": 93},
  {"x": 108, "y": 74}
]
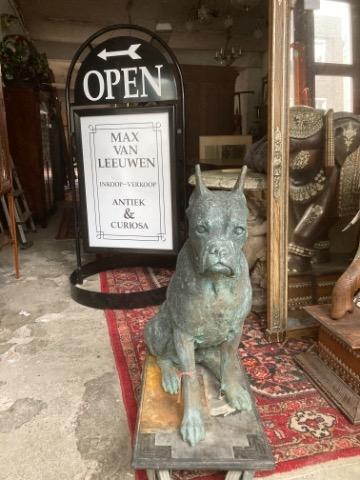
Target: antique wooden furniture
[
  {"x": 209, "y": 104},
  {"x": 28, "y": 119},
  {"x": 235, "y": 442},
  {"x": 278, "y": 179},
  {"x": 6, "y": 188},
  {"x": 334, "y": 365},
  {"x": 347, "y": 286},
  {"x": 313, "y": 287}
]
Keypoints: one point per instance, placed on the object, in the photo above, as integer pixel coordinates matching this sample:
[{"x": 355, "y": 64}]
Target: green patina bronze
[{"x": 207, "y": 301}]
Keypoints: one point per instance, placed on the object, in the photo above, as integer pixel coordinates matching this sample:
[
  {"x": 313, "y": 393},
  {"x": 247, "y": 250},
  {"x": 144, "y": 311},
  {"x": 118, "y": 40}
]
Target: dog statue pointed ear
[
  {"x": 200, "y": 185},
  {"x": 240, "y": 182},
  {"x": 200, "y": 189}
]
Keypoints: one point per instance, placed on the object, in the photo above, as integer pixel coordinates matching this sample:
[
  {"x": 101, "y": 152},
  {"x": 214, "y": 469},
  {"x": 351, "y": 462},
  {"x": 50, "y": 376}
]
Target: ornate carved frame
[{"x": 278, "y": 179}]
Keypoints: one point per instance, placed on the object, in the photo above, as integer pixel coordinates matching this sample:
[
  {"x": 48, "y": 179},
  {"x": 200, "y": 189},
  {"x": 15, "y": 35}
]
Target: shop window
[
  {"x": 333, "y": 32},
  {"x": 334, "y": 92},
  {"x": 333, "y": 56}
]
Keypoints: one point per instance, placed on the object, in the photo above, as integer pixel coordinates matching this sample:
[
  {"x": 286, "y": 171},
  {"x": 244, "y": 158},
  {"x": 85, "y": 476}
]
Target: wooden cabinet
[
  {"x": 209, "y": 104},
  {"x": 28, "y": 119}
]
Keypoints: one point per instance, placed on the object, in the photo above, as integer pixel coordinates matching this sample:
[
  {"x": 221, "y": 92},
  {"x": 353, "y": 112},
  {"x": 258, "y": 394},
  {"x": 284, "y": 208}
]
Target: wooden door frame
[{"x": 277, "y": 171}]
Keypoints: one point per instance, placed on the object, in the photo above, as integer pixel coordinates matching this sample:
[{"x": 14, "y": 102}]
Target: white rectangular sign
[{"x": 127, "y": 179}]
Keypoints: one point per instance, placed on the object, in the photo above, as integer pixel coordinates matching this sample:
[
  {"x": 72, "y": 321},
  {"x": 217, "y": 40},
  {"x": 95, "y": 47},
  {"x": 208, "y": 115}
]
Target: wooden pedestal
[
  {"x": 234, "y": 441},
  {"x": 309, "y": 289},
  {"x": 335, "y": 364}
]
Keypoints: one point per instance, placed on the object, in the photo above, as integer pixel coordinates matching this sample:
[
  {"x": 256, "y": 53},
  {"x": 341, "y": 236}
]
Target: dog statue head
[{"x": 218, "y": 227}]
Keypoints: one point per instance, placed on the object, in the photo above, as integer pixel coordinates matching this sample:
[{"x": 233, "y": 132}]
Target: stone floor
[{"x": 61, "y": 412}]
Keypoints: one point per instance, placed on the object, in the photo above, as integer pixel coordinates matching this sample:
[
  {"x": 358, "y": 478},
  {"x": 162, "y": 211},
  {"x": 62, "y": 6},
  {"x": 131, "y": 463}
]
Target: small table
[{"x": 235, "y": 441}]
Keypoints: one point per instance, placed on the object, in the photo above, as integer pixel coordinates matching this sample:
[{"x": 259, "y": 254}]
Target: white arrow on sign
[{"x": 131, "y": 52}]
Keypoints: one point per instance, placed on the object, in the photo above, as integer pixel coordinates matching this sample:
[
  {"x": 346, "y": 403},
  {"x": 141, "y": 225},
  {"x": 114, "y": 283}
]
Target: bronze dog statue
[{"x": 208, "y": 299}]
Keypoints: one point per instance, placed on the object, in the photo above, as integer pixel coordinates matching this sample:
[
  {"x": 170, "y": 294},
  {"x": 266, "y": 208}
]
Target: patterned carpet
[{"x": 302, "y": 427}]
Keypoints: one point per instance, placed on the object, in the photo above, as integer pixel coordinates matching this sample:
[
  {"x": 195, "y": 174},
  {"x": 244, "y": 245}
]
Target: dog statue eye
[
  {"x": 201, "y": 229},
  {"x": 239, "y": 230}
]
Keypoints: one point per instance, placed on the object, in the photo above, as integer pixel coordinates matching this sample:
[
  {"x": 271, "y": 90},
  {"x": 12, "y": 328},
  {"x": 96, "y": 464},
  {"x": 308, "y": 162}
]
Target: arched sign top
[{"x": 125, "y": 69}]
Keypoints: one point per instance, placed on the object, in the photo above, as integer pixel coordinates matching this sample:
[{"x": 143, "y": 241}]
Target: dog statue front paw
[
  {"x": 238, "y": 397},
  {"x": 170, "y": 380},
  {"x": 170, "y": 383},
  {"x": 192, "y": 427}
]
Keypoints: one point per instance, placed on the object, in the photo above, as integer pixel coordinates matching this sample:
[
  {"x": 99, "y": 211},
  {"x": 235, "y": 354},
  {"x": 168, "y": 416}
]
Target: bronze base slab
[
  {"x": 331, "y": 385},
  {"x": 235, "y": 441}
]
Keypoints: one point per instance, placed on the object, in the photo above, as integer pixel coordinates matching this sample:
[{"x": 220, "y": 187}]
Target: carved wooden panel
[
  {"x": 339, "y": 392},
  {"x": 277, "y": 200},
  {"x": 23, "y": 111},
  {"x": 209, "y": 93}
]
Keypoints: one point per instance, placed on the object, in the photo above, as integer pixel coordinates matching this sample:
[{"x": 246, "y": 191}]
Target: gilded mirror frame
[
  {"x": 278, "y": 181},
  {"x": 278, "y": 157}
]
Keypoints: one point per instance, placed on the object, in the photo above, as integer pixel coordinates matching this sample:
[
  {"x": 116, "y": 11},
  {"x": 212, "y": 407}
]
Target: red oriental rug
[{"x": 302, "y": 427}]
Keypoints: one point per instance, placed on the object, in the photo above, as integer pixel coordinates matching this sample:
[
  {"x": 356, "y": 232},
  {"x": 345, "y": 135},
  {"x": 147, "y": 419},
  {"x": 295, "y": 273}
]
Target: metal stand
[
  {"x": 102, "y": 300},
  {"x": 22, "y": 213},
  {"x": 12, "y": 230}
]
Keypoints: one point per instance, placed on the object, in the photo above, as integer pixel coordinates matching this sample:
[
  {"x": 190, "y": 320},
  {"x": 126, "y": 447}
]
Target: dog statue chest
[
  {"x": 218, "y": 328},
  {"x": 211, "y": 310}
]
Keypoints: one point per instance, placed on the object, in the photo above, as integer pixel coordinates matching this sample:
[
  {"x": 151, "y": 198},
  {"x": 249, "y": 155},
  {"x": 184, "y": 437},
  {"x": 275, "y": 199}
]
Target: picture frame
[{"x": 223, "y": 150}]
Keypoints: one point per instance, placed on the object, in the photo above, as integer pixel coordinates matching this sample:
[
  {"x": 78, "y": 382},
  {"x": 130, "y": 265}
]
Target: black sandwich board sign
[{"x": 126, "y": 120}]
